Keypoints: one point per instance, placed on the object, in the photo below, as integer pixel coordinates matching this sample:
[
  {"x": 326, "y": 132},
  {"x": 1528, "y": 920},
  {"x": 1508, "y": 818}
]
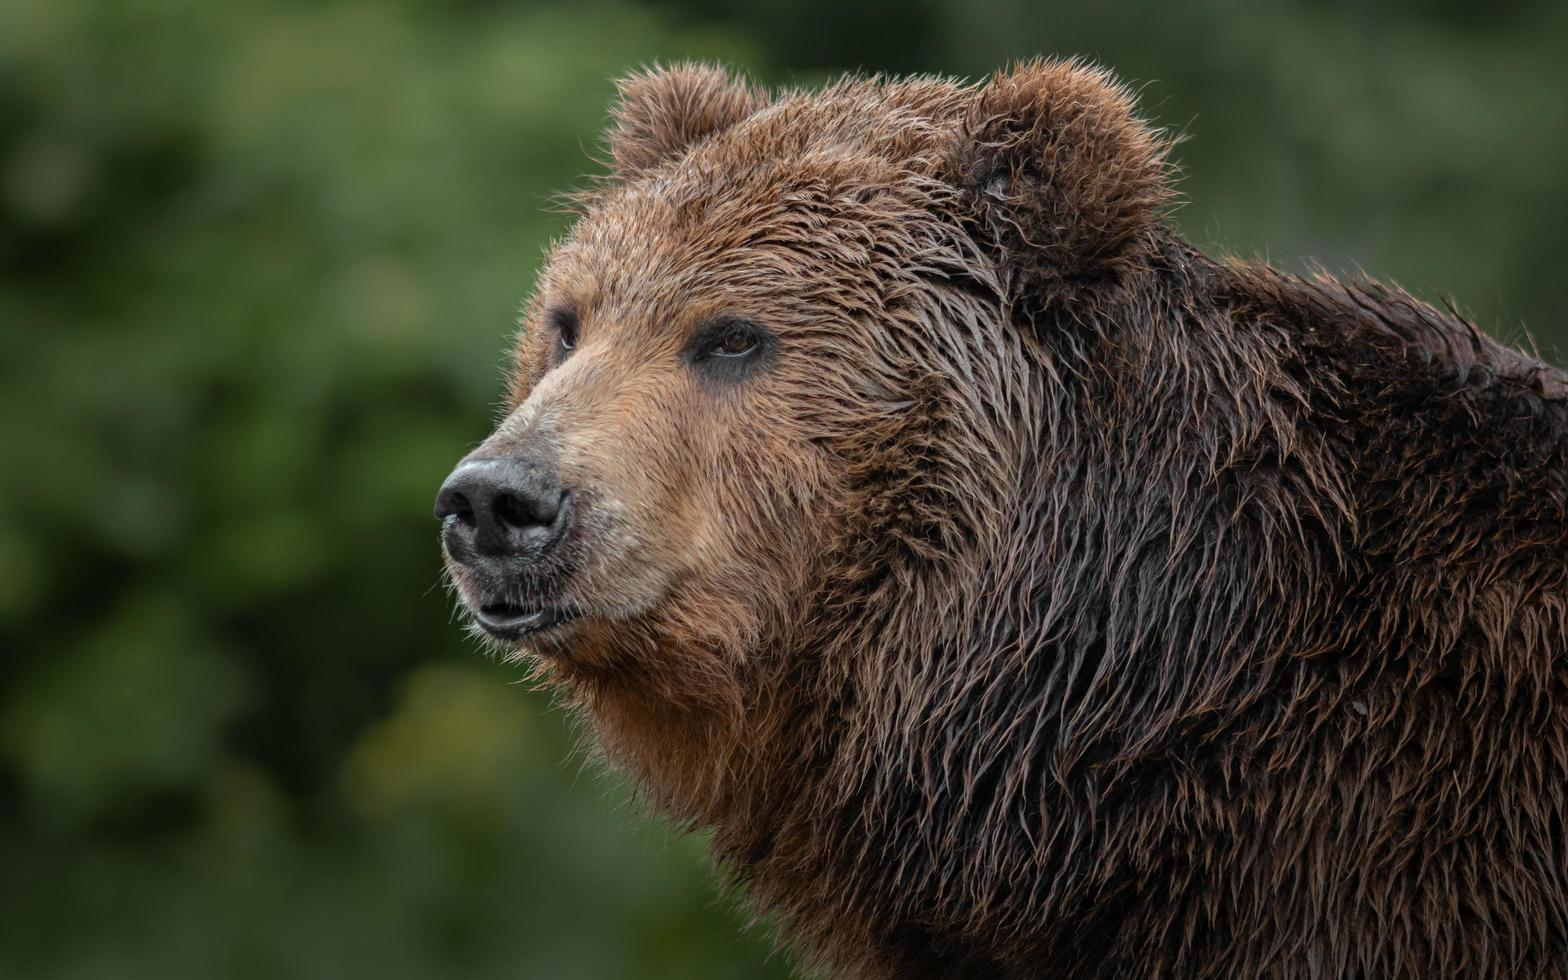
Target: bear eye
[
  {"x": 728, "y": 349},
  {"x": 564, "y": 323},
  {"x": 734, "y": 342}
]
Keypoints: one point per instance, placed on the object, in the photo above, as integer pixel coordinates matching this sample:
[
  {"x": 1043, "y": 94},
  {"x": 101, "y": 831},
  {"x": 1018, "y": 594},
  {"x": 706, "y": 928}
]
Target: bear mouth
[{"x": 510, "y": 621}]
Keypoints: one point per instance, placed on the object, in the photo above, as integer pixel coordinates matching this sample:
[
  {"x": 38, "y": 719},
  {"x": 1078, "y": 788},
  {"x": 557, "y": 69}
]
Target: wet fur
[{"x": 1071, "y": 604}]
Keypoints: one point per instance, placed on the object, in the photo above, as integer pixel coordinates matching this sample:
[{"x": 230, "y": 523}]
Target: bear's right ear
[
  {"x": 1068, "y": 184},
  {"x": 662, "y": 112}
]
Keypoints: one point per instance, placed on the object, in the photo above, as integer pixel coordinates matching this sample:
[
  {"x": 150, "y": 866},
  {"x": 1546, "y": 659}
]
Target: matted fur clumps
[{"x": 1054, "y": 600}]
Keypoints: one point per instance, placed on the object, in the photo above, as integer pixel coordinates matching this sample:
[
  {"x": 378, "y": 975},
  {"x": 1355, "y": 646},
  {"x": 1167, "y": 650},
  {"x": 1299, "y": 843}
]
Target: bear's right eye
[{"x": 564, "y": 322}]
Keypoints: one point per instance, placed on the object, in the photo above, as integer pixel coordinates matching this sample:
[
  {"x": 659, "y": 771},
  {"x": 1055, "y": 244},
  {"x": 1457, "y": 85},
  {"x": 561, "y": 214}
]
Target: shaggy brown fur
[{"x": 1059, "y": 602}]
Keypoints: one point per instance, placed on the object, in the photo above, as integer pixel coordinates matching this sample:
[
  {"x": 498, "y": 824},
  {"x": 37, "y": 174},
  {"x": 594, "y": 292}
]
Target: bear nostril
[
  {"x": 517, "y": 513},
  {"x": 453, "y": 503}
]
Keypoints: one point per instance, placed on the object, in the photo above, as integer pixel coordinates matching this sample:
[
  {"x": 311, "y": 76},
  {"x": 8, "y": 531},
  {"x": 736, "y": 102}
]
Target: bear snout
[{"x": 502, "y": 519}]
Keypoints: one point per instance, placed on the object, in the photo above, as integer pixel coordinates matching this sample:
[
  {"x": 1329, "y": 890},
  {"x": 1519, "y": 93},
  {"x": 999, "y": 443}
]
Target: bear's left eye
[
  {"x": 728, "y": 349},
  {"x": 734, "y": 342}
]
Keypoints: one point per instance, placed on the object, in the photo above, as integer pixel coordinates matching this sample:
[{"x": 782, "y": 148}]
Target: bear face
[{"x": 771, "y": 358}]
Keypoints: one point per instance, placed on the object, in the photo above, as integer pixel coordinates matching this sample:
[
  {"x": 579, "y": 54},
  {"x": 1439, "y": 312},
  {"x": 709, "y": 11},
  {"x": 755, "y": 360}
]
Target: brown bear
[{"x": 1014, "y": 590}]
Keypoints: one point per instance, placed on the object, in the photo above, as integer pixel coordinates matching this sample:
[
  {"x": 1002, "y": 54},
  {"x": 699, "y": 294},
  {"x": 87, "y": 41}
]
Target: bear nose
[{"x": 505, "y": 508}]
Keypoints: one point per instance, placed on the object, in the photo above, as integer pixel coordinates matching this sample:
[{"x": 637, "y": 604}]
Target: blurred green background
[{"x": 258, "y": 267}]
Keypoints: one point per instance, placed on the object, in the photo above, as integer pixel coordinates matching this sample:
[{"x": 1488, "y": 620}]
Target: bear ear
[
  {"x": 1069, "y": 184},
  {"x": 661, "y": 112}
]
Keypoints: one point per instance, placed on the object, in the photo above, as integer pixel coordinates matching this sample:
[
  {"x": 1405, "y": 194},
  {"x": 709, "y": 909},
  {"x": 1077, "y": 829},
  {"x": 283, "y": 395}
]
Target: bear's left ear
[
  {"x": 662, "y": 112},
  {"x": 1068, "y": 184}
]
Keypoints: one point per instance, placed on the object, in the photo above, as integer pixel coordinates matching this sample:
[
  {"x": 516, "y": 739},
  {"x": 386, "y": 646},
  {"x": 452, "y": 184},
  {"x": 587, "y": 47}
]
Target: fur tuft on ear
[
  {"x": 1068, "y": 182},
  {"x": 663, "y": 111}
]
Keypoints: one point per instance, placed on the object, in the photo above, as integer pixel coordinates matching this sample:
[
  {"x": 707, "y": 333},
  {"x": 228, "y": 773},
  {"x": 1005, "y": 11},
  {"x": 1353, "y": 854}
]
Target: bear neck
[{"x": 989, "y": 682}]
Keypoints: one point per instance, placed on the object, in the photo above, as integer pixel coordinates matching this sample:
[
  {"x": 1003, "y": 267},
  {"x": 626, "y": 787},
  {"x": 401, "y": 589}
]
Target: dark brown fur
[{"x": 1063, "y": 602}]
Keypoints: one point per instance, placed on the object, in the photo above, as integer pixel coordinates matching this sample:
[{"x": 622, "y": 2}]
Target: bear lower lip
[{"x": 508, "y": 621}]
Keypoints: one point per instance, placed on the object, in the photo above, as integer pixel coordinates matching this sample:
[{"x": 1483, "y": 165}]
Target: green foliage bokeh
[{"x": 258, "y": 266}]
